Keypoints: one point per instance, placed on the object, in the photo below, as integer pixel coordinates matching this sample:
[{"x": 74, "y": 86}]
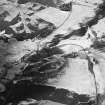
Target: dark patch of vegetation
[
  {"x": 66, "y": 7},
  {"x": 26, "y": 89}
]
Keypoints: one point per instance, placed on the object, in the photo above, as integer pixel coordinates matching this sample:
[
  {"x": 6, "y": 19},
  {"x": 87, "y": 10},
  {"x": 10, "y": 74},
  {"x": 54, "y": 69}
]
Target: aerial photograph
[{"x": 52, "y": 52}]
